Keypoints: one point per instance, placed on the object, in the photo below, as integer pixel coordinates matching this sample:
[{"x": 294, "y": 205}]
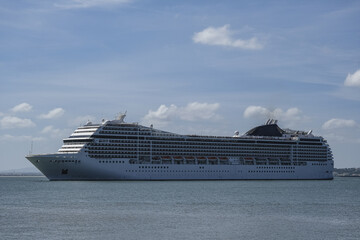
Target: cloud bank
[
  {"x": 191, "y": 112},
  {"x": 353, "y": 79},
  {"x": 8, "y": 137},
  {"x": 22, "y": 107},
  {"x": 259, "y": 112},
  {"x": 338, "y": 123},
  {"x": 50, "y": 129},
  {"x": 222, "y": 36},
  {"x": 15, "y": 122},
  {"x": 73, "y": 4},
  {"x": 81, "y": 120},
  {"x": 55, "y": 113}
]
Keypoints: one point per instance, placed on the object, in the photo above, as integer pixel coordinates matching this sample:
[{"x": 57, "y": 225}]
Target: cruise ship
[{"x": 116, "y": 150}]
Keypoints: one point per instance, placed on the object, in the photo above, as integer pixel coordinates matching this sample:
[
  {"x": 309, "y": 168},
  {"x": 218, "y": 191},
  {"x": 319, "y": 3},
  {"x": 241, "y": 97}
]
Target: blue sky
[{"x": 204, "y": 67}]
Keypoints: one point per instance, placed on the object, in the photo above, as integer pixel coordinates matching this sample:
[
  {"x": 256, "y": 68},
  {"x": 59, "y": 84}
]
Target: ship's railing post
[
  {"x": 137, "y": 149},
  {"x": 150, "y": 151}
]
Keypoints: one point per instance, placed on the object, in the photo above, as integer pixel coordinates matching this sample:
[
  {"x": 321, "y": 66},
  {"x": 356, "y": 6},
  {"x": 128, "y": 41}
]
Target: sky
[{"x": 192, "y": 67}]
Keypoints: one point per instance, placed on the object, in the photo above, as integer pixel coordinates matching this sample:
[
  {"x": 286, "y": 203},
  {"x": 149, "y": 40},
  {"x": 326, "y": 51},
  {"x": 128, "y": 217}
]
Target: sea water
[{"x": 35, "y": 208}]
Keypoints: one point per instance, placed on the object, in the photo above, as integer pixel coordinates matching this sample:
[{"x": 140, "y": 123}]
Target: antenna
[{"x": 31, "y": 147}]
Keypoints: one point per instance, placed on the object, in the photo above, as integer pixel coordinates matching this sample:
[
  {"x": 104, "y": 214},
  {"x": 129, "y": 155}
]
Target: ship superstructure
[{"x": 116, "y": 150}]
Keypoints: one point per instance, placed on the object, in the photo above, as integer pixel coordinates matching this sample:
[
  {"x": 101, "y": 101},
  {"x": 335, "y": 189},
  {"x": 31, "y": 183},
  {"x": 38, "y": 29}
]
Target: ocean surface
[{"x": 35, "y": 208}]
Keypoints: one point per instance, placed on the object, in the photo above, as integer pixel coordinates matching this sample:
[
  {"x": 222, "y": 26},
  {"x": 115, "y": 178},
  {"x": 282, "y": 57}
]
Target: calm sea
[{"x": 35, "y": 208}]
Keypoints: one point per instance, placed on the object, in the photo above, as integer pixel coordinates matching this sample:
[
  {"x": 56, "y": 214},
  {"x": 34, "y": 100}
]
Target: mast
[{"x": 31, "y": 147}]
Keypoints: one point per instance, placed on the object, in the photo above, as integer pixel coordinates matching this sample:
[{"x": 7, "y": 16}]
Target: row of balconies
[
  {"x": 220, "y": 140},
  {"x": 194, "y": 144},
  {"x": 186, "y": 150},
  {"x": 190, "y": 154},
  {"x": 171, "y": 146}
]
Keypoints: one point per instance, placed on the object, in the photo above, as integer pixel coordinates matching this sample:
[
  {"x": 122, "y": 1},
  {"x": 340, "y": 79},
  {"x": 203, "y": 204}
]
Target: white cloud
[
  {"x": 222, "y": 36},
  {"x": 338, "y": 123},
  {"x": 55, "y": 132},
  {"x": 50, "y": 129},
  {"x": 15, "y": 122},
  {"x": 199, "y": 111},
  {"x": 336, "y": 137},
  {"x": 22, "y": 107},
  {"x": 292, "y": 114},
  {"x": 55, "y": 113},
  {"x": 8, "y": 137},
  {"x": 256, "y": 111},
  {"x": 353, "y": 79},
  {"x": 192, "y": 112},
  {"x": 1, "y": 114},
  {"x": 259, "y": 112},
  {"x": 69, "y": 4},
  {"x": 80, "y": 120}
]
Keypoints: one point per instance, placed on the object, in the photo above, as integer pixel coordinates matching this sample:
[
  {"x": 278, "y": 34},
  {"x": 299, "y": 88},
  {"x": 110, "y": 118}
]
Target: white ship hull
[{"x": 80, "y": 167}]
